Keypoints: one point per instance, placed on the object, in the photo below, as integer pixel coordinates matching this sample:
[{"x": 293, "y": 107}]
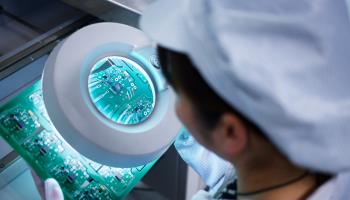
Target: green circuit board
[
  {"x": 121, "y": 90},
  {"x": 26, "y": 127}
]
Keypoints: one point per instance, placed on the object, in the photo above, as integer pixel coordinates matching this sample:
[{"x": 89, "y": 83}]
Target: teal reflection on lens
[{"x": 121, "y": 90}]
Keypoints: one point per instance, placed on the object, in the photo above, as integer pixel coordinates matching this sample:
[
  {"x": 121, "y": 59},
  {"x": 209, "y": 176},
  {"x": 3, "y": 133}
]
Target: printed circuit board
[{"x": 26, "y": 127}]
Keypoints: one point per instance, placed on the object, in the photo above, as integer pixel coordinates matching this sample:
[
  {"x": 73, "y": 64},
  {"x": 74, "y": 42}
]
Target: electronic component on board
[{"x": 20, "y": 123}]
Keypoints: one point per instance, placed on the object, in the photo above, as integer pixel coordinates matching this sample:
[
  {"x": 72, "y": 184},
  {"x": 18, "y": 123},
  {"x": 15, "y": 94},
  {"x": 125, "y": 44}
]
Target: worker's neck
[{"x": 277, "y": 172}]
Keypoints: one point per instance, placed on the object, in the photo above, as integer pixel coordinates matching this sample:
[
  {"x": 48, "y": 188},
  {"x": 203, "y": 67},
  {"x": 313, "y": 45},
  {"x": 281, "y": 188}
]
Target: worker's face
[
  {"x": 187, "y": 116},
  {"x": 228, "y": 138}
]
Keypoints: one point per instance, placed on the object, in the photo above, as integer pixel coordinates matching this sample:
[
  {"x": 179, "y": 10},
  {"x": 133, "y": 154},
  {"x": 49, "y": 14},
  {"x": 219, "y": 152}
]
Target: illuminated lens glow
[{"x": 121, "y": 90}]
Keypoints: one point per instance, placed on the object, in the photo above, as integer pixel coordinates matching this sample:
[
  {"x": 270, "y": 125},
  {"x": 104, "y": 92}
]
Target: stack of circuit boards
[{"x": 25, "y": 125}]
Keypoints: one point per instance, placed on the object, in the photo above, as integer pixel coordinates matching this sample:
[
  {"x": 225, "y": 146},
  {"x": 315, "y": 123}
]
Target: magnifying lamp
[{"x": 104, "y": 92}]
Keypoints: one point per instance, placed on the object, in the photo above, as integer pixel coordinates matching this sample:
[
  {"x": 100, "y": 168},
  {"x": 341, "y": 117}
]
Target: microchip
[
  {"x": 70, "y": 178},
  {"x": 90, "y": 179},
  {"x": 19, "y": 123},
  {"x": 118, "y": 178},
  {"x": 42, "y": 151},
  {"x": 117, "y": 87}
]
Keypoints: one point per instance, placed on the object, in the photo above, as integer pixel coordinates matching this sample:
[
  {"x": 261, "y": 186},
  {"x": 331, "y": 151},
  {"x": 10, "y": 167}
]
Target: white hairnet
[{"x": 283, "y": 64}]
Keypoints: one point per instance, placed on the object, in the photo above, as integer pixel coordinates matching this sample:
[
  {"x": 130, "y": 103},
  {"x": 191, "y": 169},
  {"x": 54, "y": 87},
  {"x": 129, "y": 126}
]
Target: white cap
[{"x": 283, "y": 64}]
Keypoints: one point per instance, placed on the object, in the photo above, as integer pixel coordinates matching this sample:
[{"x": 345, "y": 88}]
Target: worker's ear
[{"x": 230, "y": 136}]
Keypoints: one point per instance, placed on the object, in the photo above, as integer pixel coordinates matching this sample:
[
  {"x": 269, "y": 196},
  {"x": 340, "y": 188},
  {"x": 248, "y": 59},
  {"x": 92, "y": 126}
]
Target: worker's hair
[{"x": 183, "y": 76}]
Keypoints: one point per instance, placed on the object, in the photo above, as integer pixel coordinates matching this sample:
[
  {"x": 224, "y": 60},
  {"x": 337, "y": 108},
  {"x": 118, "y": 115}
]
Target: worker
[{"x": 262, "y": 86}]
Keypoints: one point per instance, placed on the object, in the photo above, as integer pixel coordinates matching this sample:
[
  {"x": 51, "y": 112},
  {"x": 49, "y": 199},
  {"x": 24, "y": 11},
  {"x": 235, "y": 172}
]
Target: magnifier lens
[{"x": 121, "y": 90}]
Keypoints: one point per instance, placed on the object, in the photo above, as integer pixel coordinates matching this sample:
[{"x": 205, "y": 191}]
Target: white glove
[
  {"x": 210, "y": 167},
  {"x": 202, "y": 195},
  {"x": 49, "y": 189}
]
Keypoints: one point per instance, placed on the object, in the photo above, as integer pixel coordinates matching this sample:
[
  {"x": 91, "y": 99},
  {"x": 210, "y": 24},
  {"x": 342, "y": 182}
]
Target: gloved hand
[
  {"x": 202, "y": 195},
  {"x": 48, "y": 190},
  {"x": 214, "y": 171}
]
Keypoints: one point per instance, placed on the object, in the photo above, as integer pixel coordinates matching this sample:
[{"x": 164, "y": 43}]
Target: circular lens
[{"x": 121, "y": 90}]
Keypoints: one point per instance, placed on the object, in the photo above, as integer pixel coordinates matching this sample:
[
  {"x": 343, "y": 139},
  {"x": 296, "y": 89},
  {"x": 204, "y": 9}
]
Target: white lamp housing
[{"x": 73, "y": 113}]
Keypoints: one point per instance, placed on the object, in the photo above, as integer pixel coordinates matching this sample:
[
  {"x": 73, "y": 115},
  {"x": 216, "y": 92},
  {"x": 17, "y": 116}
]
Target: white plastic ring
[{"x": 74, "y": 115}]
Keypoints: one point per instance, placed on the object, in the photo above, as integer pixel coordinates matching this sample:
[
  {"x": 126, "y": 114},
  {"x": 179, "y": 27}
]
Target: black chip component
[
  {"x": 70, "y": 178},
  {"x": 42, "y": 151}
]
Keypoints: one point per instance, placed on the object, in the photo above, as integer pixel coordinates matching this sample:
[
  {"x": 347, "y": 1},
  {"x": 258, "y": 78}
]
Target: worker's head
[
  {"x": 287, "y": 76},
  {"x": 212, "y": 121}
]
